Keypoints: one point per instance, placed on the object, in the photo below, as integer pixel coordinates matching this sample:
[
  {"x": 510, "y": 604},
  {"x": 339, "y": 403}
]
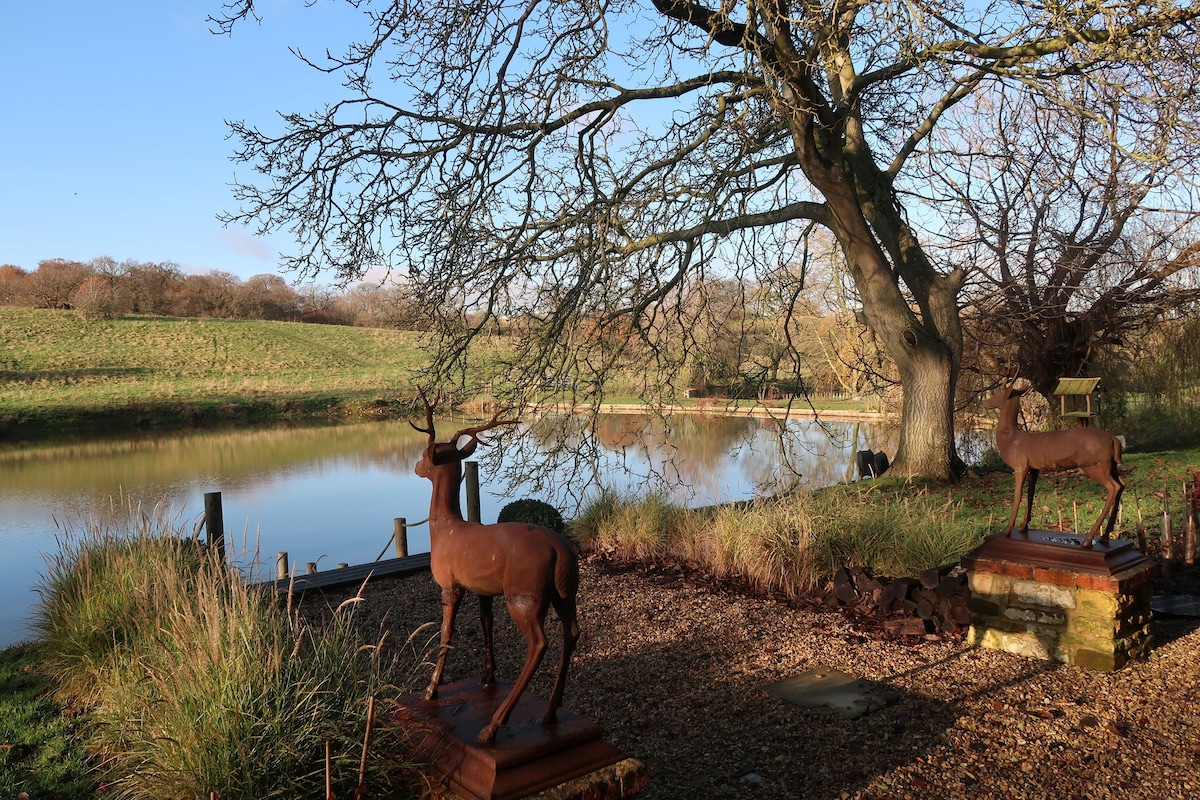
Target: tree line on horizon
[{"x": 106, "y": 289}]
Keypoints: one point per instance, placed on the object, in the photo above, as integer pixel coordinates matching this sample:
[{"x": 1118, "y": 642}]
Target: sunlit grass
[
  {"x": 787, "y": 544},
  {"x": 58, "y": 370}
]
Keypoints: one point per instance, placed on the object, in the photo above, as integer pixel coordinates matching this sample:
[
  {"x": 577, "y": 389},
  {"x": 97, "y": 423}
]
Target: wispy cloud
[{"x": 244, "y": 244}]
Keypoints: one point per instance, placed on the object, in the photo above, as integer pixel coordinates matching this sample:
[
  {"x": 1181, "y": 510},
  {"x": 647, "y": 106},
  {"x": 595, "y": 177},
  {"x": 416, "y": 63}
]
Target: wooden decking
[{"x": 333, "y": 578}]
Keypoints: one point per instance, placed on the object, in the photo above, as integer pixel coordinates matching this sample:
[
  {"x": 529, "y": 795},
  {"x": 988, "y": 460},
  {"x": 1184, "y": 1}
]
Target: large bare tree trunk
[
  {"x": 927, "y": 445},
  {"x": 920, "y": 331}
]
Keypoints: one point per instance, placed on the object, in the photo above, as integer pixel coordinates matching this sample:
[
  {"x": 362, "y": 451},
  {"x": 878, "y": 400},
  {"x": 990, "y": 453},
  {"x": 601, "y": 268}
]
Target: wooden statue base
[
  {"x": 527, "y": 756},
  {"x": 1059, "y": 550}
]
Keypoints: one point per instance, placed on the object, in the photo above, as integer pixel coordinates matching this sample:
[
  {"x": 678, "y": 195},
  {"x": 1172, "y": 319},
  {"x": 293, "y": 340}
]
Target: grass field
[{"x": 58, "y": 372}]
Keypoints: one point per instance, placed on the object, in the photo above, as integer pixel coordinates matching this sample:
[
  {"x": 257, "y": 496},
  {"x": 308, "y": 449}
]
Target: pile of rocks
[{"x": 935, "y": 602}]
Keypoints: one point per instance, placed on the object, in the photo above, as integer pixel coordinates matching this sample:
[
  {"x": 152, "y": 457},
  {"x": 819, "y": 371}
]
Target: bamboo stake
[
  {"x": 1189, "y": 528},
  {"x": 361, "y": 792},
  {"x": 1141, "y": 530},
  {"x": 329, "y": 795},
  {"x": 1168, "y": 545}
]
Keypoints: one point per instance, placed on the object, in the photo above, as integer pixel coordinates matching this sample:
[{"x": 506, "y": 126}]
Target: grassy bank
[
  {"x": 892, "y": 527},
  {"x": 59, "y": 372}
]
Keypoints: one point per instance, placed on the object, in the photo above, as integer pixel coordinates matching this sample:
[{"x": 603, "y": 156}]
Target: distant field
[{"x": 59, "y": 372}]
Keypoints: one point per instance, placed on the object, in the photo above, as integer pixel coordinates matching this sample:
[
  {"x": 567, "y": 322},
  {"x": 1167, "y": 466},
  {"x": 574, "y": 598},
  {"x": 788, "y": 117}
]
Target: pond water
[{"x": 329, "y": 493}]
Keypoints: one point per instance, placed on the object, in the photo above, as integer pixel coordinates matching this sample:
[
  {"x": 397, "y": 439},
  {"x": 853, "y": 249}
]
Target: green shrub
[
  {"x": 1153, "y": 428},
  {"x": 533, "y": 512},
  {"x": 990, "y": 461}
]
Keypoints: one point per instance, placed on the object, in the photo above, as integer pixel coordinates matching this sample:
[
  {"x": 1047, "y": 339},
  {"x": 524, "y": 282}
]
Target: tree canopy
[{"x": 584, "y": 163}]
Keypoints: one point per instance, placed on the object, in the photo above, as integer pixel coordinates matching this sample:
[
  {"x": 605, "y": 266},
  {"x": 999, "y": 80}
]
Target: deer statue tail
[
  {"x": 1117, "y": 450},
  {"x": 566, "y": 573}
]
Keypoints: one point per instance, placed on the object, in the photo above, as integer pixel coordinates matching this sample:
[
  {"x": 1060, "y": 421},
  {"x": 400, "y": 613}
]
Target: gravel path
[{"x": 673, "y": 669}]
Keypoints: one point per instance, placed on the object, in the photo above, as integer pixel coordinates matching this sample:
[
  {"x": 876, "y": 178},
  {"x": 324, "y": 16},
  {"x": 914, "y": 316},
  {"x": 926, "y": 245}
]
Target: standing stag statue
[
  {"x": 1096, "y": 452},
  {"x": 533, "y": 567}
]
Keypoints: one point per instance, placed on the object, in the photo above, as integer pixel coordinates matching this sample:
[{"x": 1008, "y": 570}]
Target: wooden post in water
[
  {"x": 214, "y": 523},
  {"x": 400, "y": 533},
  {"x": 281, "y": 565},
  {"x": 471, "y": 477}
]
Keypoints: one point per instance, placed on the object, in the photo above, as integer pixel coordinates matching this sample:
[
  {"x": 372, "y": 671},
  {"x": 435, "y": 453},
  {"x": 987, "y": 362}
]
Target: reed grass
[
  {"x": 789, "y": 544},
  {"x": 194, "y": 683}
]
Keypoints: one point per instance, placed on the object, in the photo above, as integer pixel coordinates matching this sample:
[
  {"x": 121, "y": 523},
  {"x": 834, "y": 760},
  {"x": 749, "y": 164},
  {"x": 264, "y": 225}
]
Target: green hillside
[{"x": 58, "y": 372}]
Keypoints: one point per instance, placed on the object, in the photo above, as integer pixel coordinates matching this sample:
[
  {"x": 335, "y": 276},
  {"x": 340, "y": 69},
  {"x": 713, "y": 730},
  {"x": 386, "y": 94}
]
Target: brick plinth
[{"x": 1077, "y": 617}]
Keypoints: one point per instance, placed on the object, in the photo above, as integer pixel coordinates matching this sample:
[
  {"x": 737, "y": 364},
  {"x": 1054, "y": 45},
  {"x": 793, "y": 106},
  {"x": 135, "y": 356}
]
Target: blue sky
[{"x": 112, "y": 125}]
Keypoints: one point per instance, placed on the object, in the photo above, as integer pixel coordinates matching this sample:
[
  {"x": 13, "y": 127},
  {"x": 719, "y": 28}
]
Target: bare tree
[
  {"x": 152, "y": 288},
  {"x": 54, "y": 282},
  {"x": 1080, "y": 239},
  {"x": 586, "y": 160}
]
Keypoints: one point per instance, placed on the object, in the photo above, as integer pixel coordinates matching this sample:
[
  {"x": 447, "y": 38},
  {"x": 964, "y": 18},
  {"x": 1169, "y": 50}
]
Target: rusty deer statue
[
  {"x": 1096, "y": 452},
  {"x": 533, "y": 567}
]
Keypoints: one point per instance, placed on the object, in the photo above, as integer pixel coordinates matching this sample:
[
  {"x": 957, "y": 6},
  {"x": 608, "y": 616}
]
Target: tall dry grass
[
  {"x": 789, "y": 544},
  {"x": 194, "y": 682}
]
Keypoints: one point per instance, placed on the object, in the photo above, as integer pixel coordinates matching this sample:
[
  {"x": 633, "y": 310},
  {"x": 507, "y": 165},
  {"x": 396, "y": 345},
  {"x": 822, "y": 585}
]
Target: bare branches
[{"x": 572, "y": 169}]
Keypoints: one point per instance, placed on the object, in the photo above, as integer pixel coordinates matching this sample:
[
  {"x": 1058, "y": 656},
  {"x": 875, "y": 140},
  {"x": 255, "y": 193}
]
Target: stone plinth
[
  {"x": 568, "y": 760},
  {"x": 1043, "y": 596}
]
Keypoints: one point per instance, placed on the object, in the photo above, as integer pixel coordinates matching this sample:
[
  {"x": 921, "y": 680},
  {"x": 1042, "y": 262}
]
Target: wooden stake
[
  {"x": 1168, "y": 545},
  {"x": 329, "y": 795},
  {"x": 1189, "y": 528},
  {"x": 361, "y": 792}
]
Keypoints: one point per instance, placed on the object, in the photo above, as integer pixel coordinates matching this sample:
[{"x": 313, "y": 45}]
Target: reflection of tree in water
[
  {"x": 691, "y": 458},
  {"x": 811, "y": 453}
]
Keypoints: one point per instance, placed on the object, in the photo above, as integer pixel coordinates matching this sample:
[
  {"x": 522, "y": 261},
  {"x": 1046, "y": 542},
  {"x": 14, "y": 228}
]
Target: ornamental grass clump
[
  {"x": 646, "y": 527},
  {"x": 767, "y": 542},
  {"x": 195, "y": 683},
  {"x": 103, "y": 589},
  {"x": 893, "y": 537},
  {"x": 788, "y": 544}
]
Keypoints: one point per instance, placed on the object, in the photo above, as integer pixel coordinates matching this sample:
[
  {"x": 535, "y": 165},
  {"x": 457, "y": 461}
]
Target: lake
[{"x": 328, "y": 493}]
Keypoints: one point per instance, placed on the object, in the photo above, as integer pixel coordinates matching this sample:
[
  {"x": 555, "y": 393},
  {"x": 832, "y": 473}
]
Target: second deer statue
[
  {"x": 1096, "y": 452},
  {"x": 533, "y": 567}
]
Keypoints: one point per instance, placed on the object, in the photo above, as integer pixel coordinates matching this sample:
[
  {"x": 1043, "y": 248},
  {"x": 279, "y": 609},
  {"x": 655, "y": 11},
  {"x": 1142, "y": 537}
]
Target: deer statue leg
[
  {"x": 565, "y": 607},
  {"x": 489, "y": 660},
  {"x": 451, "y": 597},
  {"x": 1033, "y": 476},
  {"x": 1018, "y": 487},
  {"x": 1106, "y": 475},
  {"x": 530, "y": 617}
]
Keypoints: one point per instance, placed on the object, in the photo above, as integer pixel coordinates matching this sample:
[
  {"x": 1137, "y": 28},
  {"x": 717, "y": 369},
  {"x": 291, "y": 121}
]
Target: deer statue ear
[{"x": 467, "y": 449}]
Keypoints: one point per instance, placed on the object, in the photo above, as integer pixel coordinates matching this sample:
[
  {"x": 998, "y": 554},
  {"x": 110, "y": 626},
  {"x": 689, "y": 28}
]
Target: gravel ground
[{"x": 673, "y": 668}]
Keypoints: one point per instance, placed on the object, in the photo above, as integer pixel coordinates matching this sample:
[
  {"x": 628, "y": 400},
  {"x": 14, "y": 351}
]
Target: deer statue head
[{"x": 441, "y": 462}]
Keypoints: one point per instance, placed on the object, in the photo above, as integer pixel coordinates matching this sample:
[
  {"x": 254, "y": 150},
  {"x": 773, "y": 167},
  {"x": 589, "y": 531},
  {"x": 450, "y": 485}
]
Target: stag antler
[
  {"x": 474, "y": 431},
  {"x": 429, "y": 407}
]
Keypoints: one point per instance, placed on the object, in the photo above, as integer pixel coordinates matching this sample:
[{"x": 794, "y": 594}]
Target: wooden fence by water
[{"x": 403, "y": 563}]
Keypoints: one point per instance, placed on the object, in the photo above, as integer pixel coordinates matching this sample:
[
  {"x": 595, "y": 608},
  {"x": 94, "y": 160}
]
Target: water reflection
[{"x": 329, "y": 493}]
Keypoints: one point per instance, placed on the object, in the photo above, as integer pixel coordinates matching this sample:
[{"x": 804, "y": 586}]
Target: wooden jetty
[{"x": 333, "y": 578}]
